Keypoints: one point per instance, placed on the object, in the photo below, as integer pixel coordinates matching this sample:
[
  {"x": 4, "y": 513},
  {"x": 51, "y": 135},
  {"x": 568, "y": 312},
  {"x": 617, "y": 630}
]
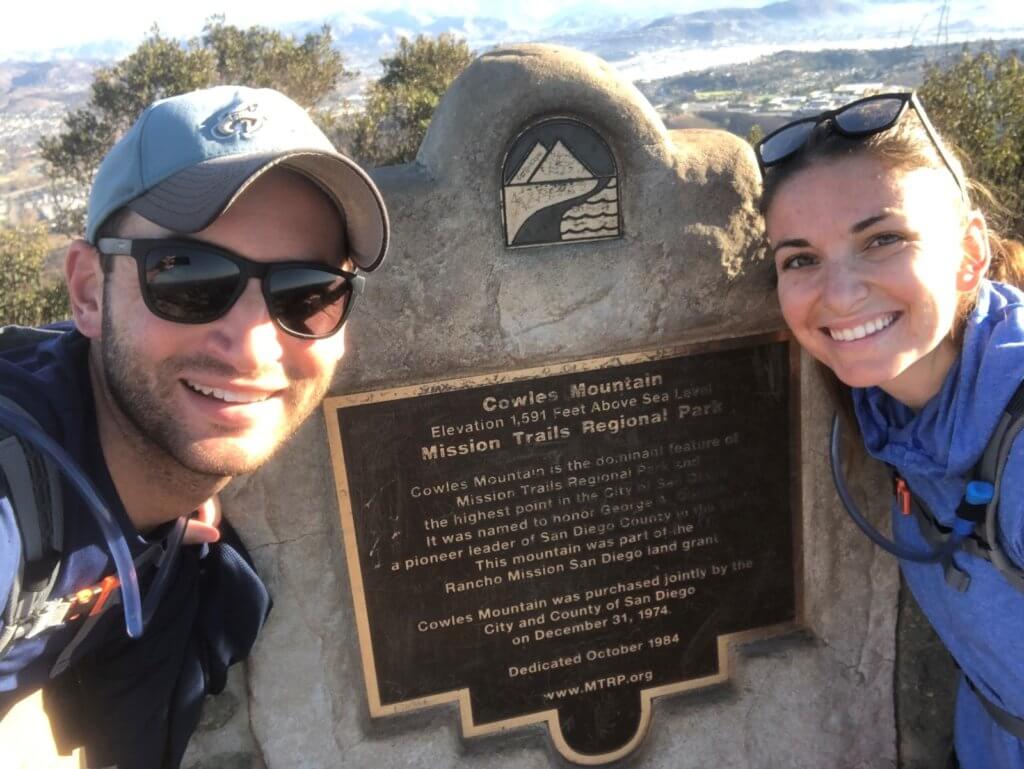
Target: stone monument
[{"x": 569, "y": 501}]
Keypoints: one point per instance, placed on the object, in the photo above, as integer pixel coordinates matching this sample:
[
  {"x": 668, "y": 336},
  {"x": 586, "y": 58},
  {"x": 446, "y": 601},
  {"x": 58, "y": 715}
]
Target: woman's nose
[{"x": 844, "y": 287}]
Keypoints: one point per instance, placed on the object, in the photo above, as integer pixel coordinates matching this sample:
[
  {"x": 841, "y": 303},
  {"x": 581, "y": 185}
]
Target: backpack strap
[
  {"x": 936, "y": 535},
  {"x": 984, "y": 541},
  {"x": 991, "y": 468},
  {"x": 1006, "y": 720},
  {"x": 31, "y": 487},
  {"x": 14, "y": 336}
]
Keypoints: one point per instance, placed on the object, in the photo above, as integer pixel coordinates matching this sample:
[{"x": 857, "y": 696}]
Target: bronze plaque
[
  {"x": 559, "y": 184},
  {"x": 565, "y": 544}
]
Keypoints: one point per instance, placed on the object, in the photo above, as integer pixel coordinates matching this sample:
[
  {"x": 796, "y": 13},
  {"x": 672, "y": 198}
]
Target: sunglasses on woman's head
[
  {"x": 188, "y": 281},
  {"x": 856, "y": 120}
]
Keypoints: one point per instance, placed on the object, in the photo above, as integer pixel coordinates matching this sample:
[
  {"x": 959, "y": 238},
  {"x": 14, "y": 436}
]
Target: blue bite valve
[
  {"x": 979, "y": 493},
  {"x": 971, "y": 511}
]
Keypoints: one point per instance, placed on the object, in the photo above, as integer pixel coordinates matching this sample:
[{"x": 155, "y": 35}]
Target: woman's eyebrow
[
  {"x": 794, "y": 243},
  {"x": 863, "y": 224},
  {"x": 860, "y": 226}
]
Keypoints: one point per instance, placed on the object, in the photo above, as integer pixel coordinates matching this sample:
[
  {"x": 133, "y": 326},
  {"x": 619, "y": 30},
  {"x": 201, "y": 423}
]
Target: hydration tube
[
  {"x": 978, "y": 493},
  {"x": 165, "y": 568},
  {"x": 130, "y": 597}
]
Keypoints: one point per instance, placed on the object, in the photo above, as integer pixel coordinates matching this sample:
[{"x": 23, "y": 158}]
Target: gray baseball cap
[{"x": 189, "y": 157}]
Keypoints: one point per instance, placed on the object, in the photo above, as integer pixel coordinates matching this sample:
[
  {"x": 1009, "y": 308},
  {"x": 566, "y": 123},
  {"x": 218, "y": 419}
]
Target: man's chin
[{"x": 224, "y": 458}]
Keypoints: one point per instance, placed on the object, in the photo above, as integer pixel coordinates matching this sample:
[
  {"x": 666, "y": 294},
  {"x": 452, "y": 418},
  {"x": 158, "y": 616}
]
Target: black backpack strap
[
  {"x": 13, "y": 337},
  {"x": 936, "y": 535},
  {"x": 1006, "y": 720},
  {"x": 984, "y": 542},
  {"x": 990, "y": 468},
  {"x": 32, "y": 487}
]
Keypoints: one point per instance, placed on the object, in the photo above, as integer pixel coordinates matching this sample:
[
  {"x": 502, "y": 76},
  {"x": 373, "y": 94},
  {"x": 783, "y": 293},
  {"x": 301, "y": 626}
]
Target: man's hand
[{"x": 202, "y": 529}]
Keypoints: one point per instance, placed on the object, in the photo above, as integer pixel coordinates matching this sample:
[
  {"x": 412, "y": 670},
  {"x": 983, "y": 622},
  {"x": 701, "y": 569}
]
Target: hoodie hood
[{"x": 947, "y": 436}]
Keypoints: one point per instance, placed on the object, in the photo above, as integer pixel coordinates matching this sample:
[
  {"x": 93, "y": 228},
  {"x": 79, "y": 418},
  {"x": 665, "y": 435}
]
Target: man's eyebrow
[
  {"x": 794, "y": 243},
  {"x": 863, "y": 224}
]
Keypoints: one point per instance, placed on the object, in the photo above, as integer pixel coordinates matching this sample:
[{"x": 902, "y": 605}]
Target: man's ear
[
  {"x": 84, "y": 277},
  {"x": 977, "y": 255}
]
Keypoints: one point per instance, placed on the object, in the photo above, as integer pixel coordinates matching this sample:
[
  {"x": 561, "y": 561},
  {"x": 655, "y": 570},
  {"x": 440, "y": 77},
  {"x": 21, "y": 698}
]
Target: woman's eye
[
  {"x": 885, "y": 239},
  {"x": 796, "y": 261}
]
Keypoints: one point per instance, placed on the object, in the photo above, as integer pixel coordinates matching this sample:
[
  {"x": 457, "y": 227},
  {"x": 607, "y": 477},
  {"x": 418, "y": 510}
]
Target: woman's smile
[{"x": 861, "y": 330}]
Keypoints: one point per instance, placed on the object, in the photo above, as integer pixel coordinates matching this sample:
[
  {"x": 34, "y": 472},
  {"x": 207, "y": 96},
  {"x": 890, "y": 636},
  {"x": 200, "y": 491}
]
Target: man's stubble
[{"x": 143, "y": 396}]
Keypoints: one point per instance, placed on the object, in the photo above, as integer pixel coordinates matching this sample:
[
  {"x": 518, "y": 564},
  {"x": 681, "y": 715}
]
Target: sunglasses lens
[
  {"x": 870, "y": 116},
  {"x": 308, "y": 301},
  {"x": 190, "y": 286},
  {"x": 780, "y": 146}
]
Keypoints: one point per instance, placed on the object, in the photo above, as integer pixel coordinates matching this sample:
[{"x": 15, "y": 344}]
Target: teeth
[
  {"x": 866, "y": 329},
  {"x": 226, "y": 395}
]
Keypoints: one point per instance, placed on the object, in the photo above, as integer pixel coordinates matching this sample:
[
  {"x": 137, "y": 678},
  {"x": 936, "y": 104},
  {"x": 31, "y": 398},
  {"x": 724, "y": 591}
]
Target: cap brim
[{"x": 193, "y": 198}]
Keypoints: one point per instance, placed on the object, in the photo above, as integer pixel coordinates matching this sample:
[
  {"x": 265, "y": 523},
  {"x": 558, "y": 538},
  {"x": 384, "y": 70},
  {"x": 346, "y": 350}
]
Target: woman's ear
[
  {"x": 977, "y": 254},
  {"x": 84, "y": 277}
]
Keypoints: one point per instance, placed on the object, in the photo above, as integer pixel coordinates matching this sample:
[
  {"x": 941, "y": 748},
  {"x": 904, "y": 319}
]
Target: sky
[
  {"x": 33, "y": 26},
  {"x": 30, "y": 24}
]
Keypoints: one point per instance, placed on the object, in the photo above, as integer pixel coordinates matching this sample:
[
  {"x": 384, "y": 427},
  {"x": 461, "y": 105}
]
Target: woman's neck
[{"x": 923, "y": 379}]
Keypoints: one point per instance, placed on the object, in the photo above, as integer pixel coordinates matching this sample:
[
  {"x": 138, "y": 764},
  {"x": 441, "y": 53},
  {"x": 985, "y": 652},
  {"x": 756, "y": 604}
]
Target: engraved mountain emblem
[{"x": 552, "y": 193}]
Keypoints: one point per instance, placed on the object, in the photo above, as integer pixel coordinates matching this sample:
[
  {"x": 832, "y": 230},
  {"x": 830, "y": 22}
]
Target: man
[{"x": 220, "y": 260}]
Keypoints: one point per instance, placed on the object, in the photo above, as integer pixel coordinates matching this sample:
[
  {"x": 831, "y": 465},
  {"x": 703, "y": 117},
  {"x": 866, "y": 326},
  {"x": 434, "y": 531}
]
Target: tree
[
  {"x": 977, "y": 104},
  {"x": 262, "y": 58},
  {"x": 159, "y": 67},
  {"x": 400, "y": 104},
  {"x": 306, "y": 70},
  {"x": 28, "y": 295},
  {"x": 755, "y": 134}
]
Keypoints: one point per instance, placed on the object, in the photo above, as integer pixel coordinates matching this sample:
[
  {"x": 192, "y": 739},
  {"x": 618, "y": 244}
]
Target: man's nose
[{"x": 246, "y": 337}]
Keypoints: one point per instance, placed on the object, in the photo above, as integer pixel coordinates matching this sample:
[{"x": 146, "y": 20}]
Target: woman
[{"x": 890, "y": 278}]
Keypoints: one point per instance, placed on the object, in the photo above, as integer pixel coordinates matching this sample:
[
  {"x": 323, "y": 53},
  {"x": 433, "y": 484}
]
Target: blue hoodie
[{"x": 935, "y": 450}]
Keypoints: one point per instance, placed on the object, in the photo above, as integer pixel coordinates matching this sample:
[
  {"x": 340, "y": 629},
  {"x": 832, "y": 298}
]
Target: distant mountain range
[
  {"x": 366, "y": 37},
  {"x": 682, "y": 62},
  {"x": 803, "y": 22}
]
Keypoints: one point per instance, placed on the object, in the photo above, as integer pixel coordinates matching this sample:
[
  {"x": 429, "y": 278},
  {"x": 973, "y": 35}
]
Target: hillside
[{"x": 798, "y": 73}]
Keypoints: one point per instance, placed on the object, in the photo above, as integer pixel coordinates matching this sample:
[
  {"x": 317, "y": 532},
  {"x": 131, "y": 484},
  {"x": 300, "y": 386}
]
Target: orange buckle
[
  {"x": 106, "y": 587},
  {"x": 90, "y": 600},
  {"x": 903, "y": 495}
]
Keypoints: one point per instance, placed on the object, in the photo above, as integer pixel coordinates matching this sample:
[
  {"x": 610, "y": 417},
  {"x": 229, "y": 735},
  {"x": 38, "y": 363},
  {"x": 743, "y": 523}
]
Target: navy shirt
[{"x": 132, "y": 703}]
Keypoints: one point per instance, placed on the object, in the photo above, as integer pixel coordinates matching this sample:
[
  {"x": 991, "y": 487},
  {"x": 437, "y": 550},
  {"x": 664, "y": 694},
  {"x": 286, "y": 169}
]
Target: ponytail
[
  {"x": 1007, "y": 265},
  {"x": 1007, "y": 260}
]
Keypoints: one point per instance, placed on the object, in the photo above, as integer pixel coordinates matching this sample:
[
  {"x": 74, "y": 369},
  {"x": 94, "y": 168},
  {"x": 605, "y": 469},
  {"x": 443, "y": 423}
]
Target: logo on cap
[{"x": 243, "y": 121}]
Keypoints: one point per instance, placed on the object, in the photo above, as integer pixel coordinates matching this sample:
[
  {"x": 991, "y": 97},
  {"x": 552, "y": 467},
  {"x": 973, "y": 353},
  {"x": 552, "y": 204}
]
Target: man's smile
[{"x": 230, "y": 396}]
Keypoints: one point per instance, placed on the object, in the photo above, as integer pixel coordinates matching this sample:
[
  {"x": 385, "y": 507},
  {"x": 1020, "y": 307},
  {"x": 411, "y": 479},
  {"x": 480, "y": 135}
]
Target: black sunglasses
[
  {"x": 858, "y": 119},
  {"x": 188, "y": 281}
]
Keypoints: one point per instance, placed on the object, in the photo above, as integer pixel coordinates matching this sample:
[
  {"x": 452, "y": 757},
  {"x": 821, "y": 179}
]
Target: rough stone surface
[
  {"x": 926, "y": 684},
  {"x": 224, "y": 738},
  {"x": 453, "y": 301}
]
